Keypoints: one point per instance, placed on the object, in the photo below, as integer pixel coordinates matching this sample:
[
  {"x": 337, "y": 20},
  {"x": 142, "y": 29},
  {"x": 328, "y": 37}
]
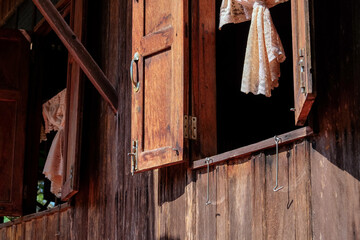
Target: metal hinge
[
  {"x": 190, "y": 127},
  {"x": 71, "y": 176},
  {"x": 302, "y": 69},
  {"x": 134, "y": 156}
]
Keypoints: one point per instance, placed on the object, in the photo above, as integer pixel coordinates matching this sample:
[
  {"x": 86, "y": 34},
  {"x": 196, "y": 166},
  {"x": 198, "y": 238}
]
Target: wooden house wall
[
  {"x": 335, "y": 166},
  {"x": 320, "y": 199}
]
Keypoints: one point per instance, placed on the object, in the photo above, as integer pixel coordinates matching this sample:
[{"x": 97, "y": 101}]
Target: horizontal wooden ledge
[
  {"x": 247, "y": 150},
  {"x": 60, "y": 208}
]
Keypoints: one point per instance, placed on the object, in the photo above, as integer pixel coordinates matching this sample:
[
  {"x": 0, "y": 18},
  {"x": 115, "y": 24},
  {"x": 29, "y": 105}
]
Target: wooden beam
[
  {"x": 247, "y": 150},
  {"x": 43, "y": 27},
  {"x": 78, "y": 51}
]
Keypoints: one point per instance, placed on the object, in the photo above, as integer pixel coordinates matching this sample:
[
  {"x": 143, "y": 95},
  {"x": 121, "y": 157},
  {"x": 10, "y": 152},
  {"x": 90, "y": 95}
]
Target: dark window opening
[
  {"x": 54, "y": 58},
  {"x": 242, "y": 118}
]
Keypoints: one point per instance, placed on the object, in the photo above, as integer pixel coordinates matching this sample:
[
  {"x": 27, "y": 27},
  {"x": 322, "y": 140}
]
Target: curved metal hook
[
  {"x": 207, "y": 161},
  {"x": 277, "y": 140}
]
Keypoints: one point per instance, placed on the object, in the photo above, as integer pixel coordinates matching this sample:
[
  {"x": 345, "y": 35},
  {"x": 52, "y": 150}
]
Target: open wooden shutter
[
  {"x": 14, "y": 73},
  {"x": 158, "y": 105},
  {"x": 74, "y": 110},
  {"x": 303, "y": 86}
]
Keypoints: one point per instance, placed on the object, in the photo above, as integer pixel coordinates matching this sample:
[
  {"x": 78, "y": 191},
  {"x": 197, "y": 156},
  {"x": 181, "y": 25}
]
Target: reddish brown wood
[
  {"x": 14, "y": 74},
  {"x": 157, "y": 108},
  {"x": 74, "y": 110},
  {"x": 247, "y": 150},
  {"x": 79, "y": 52},
  {"x": 303, "y": 99},
  {"x": 203, "y": 77}
]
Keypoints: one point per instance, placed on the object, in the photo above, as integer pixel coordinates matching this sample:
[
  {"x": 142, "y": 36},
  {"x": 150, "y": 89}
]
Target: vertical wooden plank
[
  {"x": 190, "y": 215},
  {"x": 203, "y": 77},
  {"x": 222, "y": 203},
  {"x": 240, "y": 182},
  {"x": 335, "y": 195},
  {"x": 30, "y": 230},
  {"x": 259, "y": 197},
  {"x": 280, "y": 220},
  {"x": 65, "y": 225},
  {"x": 3, "y": 233},
  {"x": 74, "y": 108},
  {"x": 20, "y": 229},
  {"x": 205, "y": 214},
  {"x": 302, "y": 183},
  {"x": 51, "y": 226},
  {"x": 39, "y": 233},
  {"x": 304, "y": 94}
]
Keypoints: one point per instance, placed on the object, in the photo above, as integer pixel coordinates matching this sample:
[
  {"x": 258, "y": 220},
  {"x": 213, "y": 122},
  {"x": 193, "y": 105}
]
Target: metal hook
[
  {"x": 277, "y": 140},
  {"x": 207, "y": 161}
]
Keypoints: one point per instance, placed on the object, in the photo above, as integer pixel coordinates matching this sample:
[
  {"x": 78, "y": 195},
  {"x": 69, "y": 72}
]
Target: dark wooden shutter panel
[
  {"x": 303, "y": 86},
  {"x": 158, "y": 107},
  {"x": 14, "y": 74},
  {"x": 74, "y": 111}
]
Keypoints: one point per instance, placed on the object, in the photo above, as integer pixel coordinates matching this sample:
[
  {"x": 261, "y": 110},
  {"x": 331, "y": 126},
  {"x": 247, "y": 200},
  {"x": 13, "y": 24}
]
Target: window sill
[
  {"x": 61, "y": 208},
  {"x": 247, "y": 150}
]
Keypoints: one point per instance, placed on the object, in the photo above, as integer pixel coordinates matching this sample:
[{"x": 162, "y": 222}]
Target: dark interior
[
  {"x": 54, "y": 74},
  {"x": 242, "y": 118}
]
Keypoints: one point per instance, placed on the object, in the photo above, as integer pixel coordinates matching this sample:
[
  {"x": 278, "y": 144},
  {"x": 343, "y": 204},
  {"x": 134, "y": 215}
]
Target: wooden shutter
[
  {"x": 74, "y": 110},
  {"x": 158, "y": 106},
  {"x": 303, "y": 86},
  {"x": 14, "y": 73}
]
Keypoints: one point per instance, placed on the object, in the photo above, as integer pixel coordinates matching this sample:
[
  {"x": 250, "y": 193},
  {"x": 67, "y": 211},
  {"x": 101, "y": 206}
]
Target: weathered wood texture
[
  {"x": 321, "y": 202},
  {"x": 304, "y": 93},
  {"x": 335, "y": 165},
  {"x": 243, "y": 203},
  {"x": 203, "y": 77},
  {"x": 157, "y": 114},
  {"x": 52, "y": 224}
]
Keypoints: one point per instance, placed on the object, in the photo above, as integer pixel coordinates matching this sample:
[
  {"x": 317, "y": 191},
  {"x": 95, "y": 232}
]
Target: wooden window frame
[
  {"x": 304, "y": 93},
  {"x": 202, "y": 87},
  {"x": 79, "y": 57}
]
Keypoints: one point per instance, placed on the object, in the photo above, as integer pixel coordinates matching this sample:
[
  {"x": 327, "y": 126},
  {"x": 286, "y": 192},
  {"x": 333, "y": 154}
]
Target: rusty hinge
[
  {"x": 190, "y": 127},
  {"x": 71, "y": 176},
  {"x": 302, "y": 69},
  {"x": 134, "y": 156}
]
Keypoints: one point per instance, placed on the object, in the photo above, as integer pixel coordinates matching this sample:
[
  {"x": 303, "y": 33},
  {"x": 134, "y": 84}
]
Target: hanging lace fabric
[
  {"x": 264, "y": 50},
  {"x": 54, "y": 117}
]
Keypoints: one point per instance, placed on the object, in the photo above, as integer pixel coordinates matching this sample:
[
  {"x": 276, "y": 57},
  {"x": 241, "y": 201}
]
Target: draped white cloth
[
  {"x": 54, "y": 116},
  {"x": 264, "y": 50}
]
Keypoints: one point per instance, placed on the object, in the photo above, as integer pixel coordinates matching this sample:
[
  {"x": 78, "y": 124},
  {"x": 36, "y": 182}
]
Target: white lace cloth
[
  {"x": 54, "y": 116},
  {"x": 264, "y": 50}
]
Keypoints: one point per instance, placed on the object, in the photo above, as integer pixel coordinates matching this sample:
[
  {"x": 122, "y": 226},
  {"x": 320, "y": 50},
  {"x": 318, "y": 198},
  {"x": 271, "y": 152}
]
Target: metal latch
[
  {"x": 190, "y": 127},
  {"x": 302, "y": 69},
  {"x": 134, "y": 156}
]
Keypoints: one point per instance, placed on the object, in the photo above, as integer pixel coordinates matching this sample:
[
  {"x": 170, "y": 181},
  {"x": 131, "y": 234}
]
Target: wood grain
[
  {"x": 247, "y": 150},
  {"x": 301, "y": 40},
  {"x": 158, "y": 35}
]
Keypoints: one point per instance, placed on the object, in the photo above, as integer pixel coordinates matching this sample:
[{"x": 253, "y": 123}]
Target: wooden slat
[
  {"x": 205, "y": 214},
  {"x": 203, "y": 77},
  {"x": 79, "y": 52},
  {"x": 42, "y": 27},
  {"x": 268, "y": 143},
  {"x": 240, "y": 184}
]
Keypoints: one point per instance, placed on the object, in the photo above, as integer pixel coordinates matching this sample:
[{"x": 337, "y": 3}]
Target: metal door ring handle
[{"x": 135, "y": 83}]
